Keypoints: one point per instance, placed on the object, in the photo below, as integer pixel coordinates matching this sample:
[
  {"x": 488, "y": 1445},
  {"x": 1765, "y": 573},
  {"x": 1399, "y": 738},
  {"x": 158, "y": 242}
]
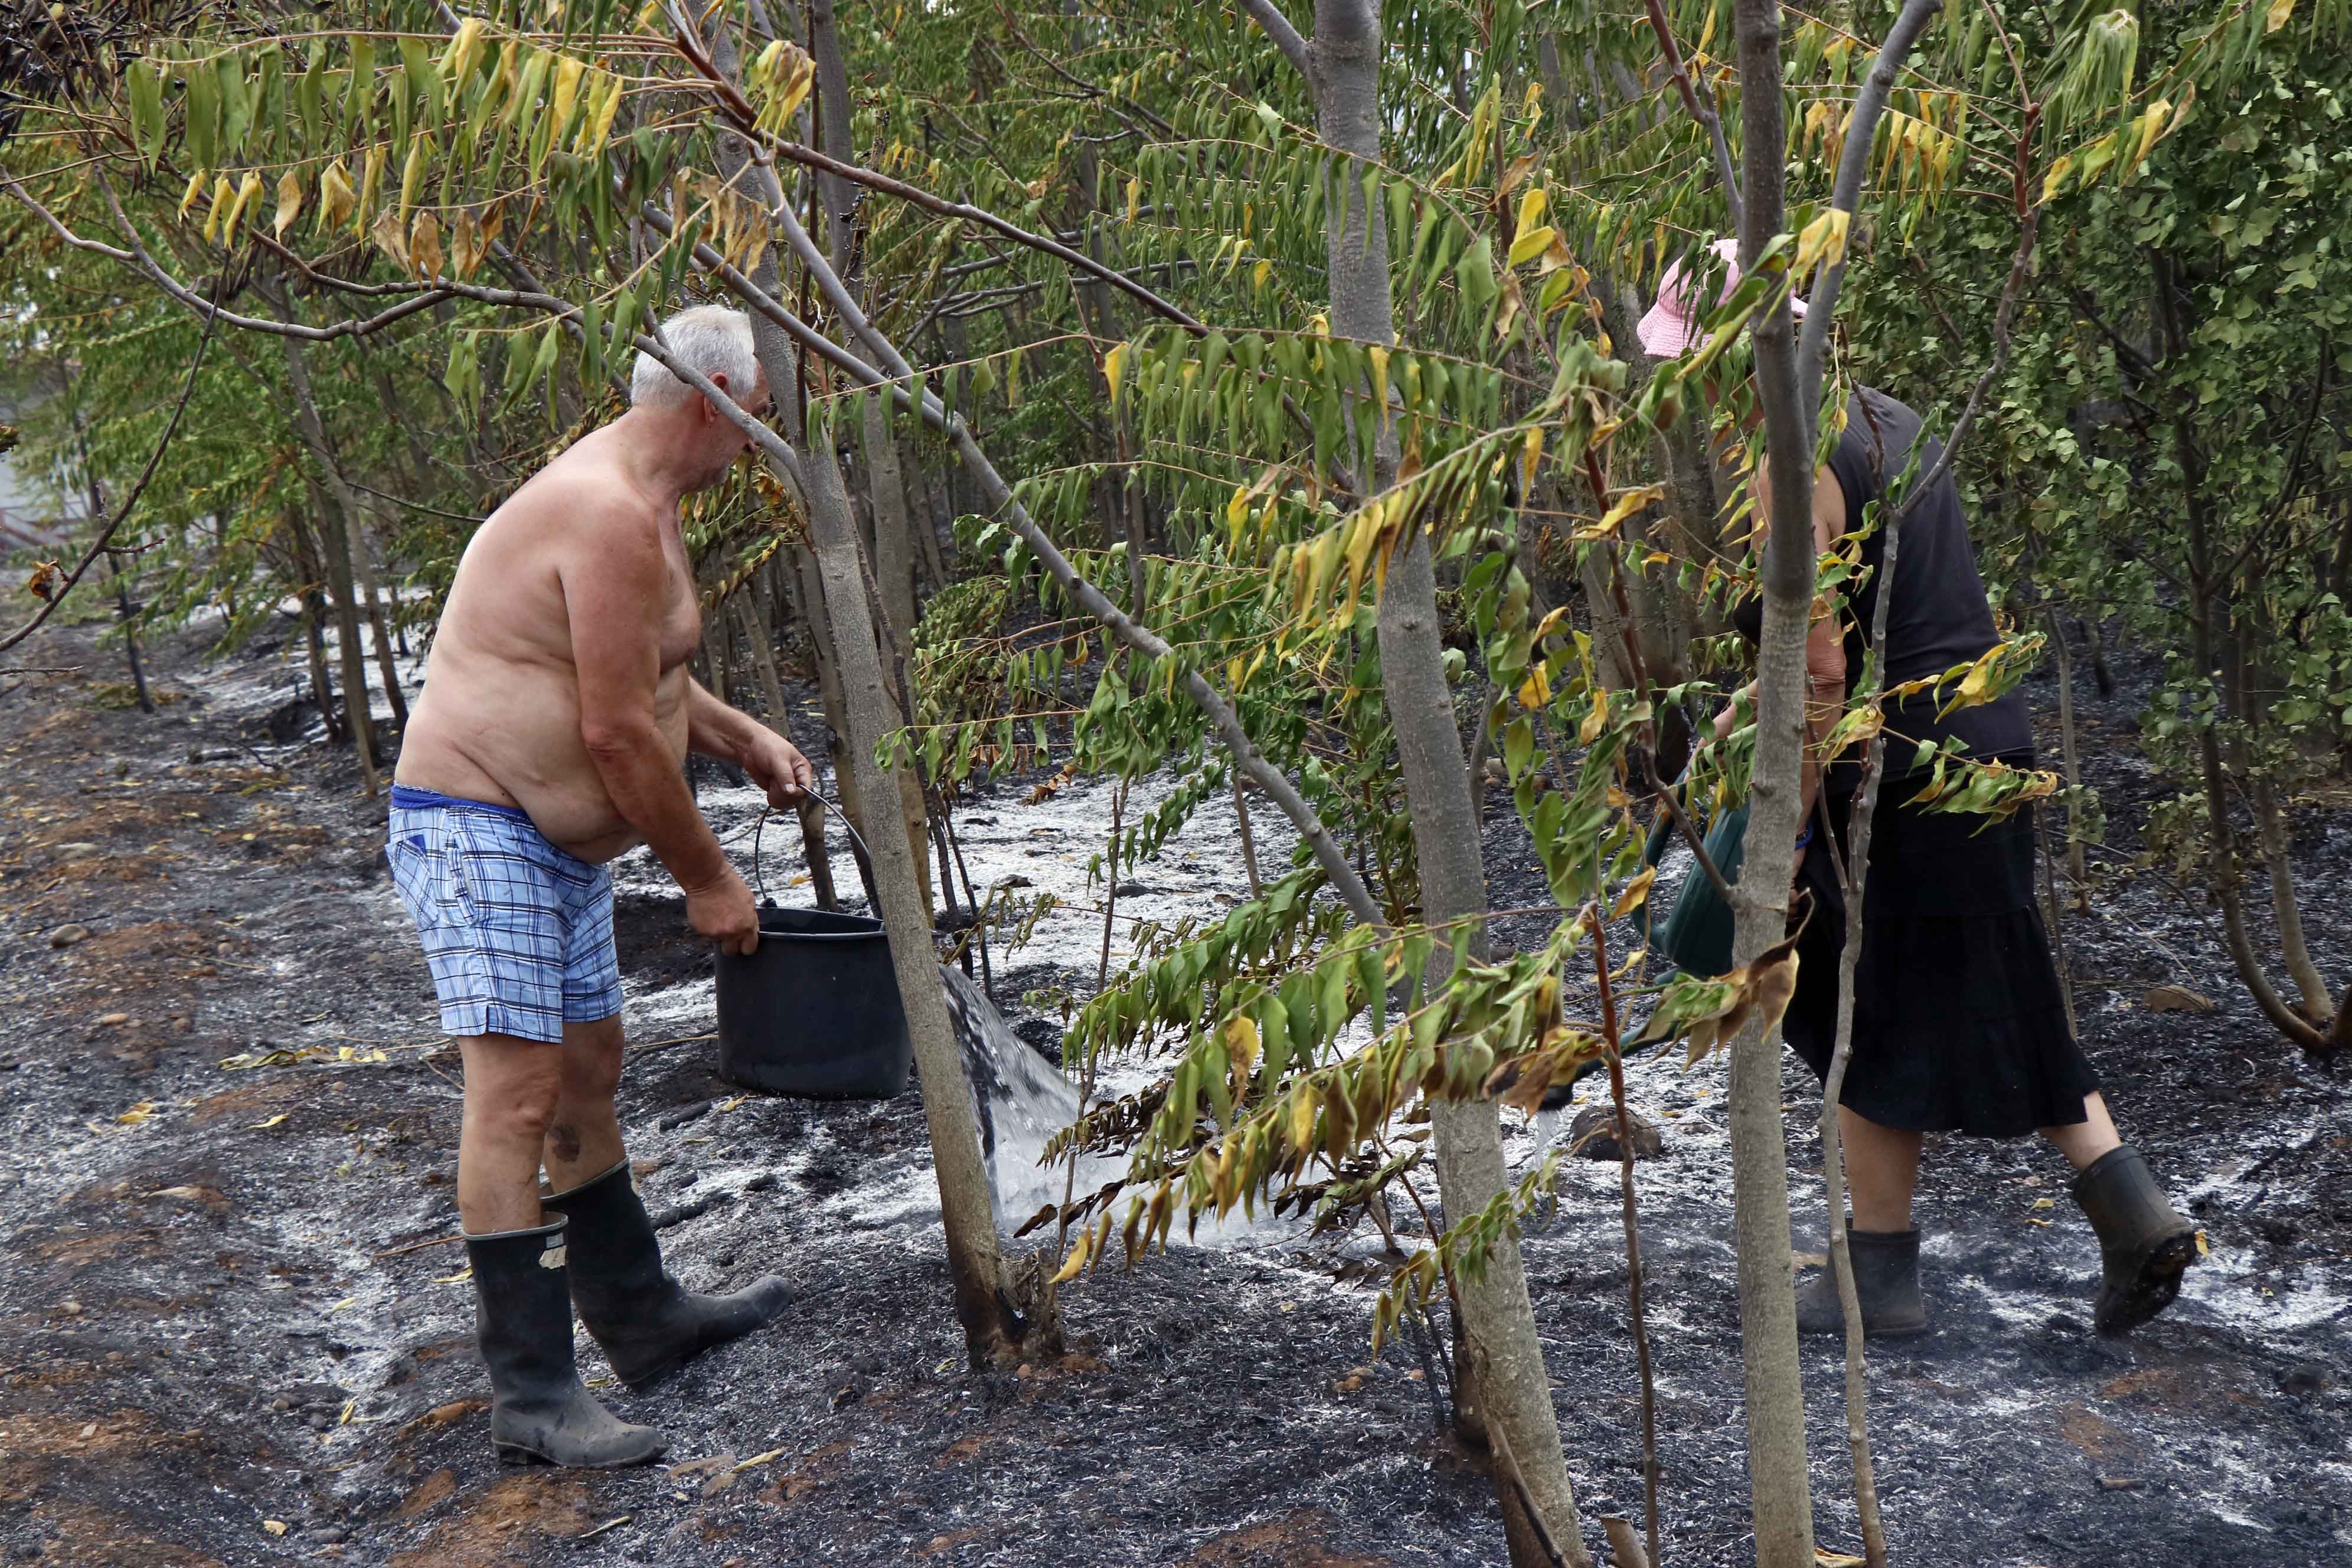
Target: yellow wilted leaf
[
  {"x": 137, "y": 1113},
  {"x": 458, "y": 57},
  {"x": 371, "y": 181},
  {"x": 1075, "y": 1264},
  {"x": 2151, "y": 127},
  {"x": 1824, "y": 1558},
  {"x": 1823, "y": 241},
  {"x": 1624, "y": 507},
  {"x": 1531, "y": 209},
  {"x": 2056, "y": 177},
  {"x": 2276, "y": 16},
  {"x": 424, "y": 244},
  {"x": 1242, "y": 1046},
  {"x": 795, "y": 91},
  {"x": 1536, "y": 689},
  {"x": 223, "y": 194},
  {"x": 389, "y": 237},
  {"x": 1594, "y": 721},
  {"x": 1531, "y": 243},
  {"x": 335, "y": 198},
  {"x": 412, "y": 175},
  {"x": 1636, "y": 893},
  {"x": 1113, "y": 357},
  {"x": 458, "y": 1278},
  {"x": 290, "y": 202},
  {"x": 1302, "y": 1116},
  {"x": 195, "y": 188},
  {"x": 247, "y": 191},
  {"x": 1530, "y": 455},
  {"x": 273, "y": 1121},
  {"x": 467, "y": 247},
  {"x": 1134, "y": 197},
  {"x": 567, "y": 74},
  {"x": 596, "y": 125},
  {"x": 1379, "y": 358}
]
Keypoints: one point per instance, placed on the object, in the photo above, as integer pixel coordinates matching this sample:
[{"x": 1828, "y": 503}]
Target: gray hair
[{"x": 710, "y": 338}]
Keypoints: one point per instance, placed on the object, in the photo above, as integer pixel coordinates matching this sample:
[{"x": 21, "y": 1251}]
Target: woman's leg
[
  {"x": 2085, "y": 1140},
  {"x": 1882, "y": 1166}
]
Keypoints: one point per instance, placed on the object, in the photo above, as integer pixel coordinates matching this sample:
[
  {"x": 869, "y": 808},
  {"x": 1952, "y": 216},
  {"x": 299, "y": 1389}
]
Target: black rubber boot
[
  {"x": 539, "y": 1411},
  {"x": 647, "y": 1322},
  {"x": 2145, "y": 1244},
  {"x": 1885, "y": 1283}
]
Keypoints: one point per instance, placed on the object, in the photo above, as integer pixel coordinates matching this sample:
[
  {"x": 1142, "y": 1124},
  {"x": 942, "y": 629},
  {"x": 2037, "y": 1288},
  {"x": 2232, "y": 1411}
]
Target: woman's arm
[{"x": 1825, "y": 671}]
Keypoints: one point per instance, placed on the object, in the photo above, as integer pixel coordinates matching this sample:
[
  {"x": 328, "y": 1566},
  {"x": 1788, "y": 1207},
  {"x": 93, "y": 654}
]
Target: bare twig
[
  {"x": 1651, "y": 1471},
  {"x": 1700, "y": 111}
]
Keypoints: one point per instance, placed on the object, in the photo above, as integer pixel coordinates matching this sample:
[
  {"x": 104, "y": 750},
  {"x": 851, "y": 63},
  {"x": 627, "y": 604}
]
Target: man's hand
[
  {"x": 776, "y": 765},
  {"x": 723, "y": 911}
]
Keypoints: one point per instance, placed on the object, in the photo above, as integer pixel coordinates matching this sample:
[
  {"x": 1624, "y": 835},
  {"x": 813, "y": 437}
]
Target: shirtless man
[{"x": 549, "y": 739}]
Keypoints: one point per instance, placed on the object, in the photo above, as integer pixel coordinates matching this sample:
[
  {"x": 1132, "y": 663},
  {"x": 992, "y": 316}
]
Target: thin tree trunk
[
  {"x": 995, "y": 1331},
  {"x": 1249, "y": 842},
  {"x": 894, "y": 533},
  {"x": 335, "y": 530},
  {"x": 124, "y": 611},
  {"x": 322, "y": 690},
  {"x": 1780, "y": 1488},
  {"x": 2270, "y": 826},
  {"x": 1502, "y": 1358},
  {"x": 2070, "y": 751}
]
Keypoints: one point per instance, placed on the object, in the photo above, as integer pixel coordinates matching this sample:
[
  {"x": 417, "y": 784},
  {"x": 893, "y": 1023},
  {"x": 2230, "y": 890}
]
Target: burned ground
[{"x": 233, "y": 1331}]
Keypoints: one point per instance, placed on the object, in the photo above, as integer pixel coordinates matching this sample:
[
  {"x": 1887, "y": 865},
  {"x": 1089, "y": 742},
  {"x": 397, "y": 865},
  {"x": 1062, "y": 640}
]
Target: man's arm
[
  {"x": 774, "y": 764},
  {"x": 615, "y": 590}
]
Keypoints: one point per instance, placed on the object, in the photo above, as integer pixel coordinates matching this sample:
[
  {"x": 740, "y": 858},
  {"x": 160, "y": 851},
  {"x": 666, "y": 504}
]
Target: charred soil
[{"x": 234, "y": 1330}]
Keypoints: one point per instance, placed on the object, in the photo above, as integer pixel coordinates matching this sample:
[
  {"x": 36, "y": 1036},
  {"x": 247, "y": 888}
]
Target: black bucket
[{"x": 814, "y": 1010}]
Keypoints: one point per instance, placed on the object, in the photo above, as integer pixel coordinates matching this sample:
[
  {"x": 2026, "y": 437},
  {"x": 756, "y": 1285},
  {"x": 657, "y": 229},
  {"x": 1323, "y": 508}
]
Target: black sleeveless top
[{"x": 1939, "y": 617}]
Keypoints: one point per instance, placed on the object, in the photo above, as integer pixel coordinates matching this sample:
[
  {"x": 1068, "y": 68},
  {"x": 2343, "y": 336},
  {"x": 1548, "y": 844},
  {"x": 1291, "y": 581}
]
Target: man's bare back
[{"x": 500, "y": 718}]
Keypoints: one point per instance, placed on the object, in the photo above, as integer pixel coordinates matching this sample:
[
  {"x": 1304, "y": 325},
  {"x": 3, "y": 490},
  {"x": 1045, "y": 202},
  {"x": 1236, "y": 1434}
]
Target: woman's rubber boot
[
  {"x": 539, "y": 1411},
  {"x": 647, "y": 1322},
  {"x": 1885, "y": 1283},
  {"x": 2145, "y": 1244}
]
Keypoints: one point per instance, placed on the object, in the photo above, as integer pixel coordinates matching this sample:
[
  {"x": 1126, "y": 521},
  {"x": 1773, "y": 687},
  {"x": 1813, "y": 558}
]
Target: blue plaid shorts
[{"x": 519, "y": 934}]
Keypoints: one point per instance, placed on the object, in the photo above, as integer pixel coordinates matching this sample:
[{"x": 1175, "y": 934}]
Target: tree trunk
[
  {"x": 2070, "y": 751},
  {"x": 322, "y": 690},
  {"x": 1504, "y": 1355},
  {"x": 1780, "y": 1496},
  {"x": 335, "y": 534},
  {"x": 894, "y": 533},
  {"x": 2270, "y": 826},
  {"x": 994, "y": 1332}
]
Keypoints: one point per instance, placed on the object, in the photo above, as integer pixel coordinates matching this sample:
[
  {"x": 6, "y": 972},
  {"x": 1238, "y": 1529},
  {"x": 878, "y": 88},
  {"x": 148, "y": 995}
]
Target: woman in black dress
[{"x": 1959, "y": 1024}]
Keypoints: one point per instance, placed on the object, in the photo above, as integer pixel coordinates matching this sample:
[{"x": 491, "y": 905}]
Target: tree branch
[
  {"x": 1270, "y": 16},
  {"x": 1854, "y": 167}
]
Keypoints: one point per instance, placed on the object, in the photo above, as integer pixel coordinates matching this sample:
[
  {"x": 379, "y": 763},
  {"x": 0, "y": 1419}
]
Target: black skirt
[{"x": 1960, "y": 1023}]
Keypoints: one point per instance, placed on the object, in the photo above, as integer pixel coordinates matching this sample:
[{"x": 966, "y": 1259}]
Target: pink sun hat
[{"x": 1673, "y": 325}]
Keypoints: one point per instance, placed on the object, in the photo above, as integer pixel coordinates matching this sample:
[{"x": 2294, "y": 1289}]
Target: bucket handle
[{"x": 759, "y": 881}]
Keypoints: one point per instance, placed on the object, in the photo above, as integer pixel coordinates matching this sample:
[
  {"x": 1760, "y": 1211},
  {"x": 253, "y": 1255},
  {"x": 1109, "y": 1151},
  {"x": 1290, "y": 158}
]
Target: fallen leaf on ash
[
  {"x": 463, "y": 1274},
  {"x": 265, "y": 1126},
  {"x": 2177, "y": 999},
  {"x": 1825, "y": 1558},
  {"x": 275, "y": 1526},
  {"x": 731, "y": 1104},
  {"x": 768, "y": 1458},
  {"x": 137, "y": 1113}
]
